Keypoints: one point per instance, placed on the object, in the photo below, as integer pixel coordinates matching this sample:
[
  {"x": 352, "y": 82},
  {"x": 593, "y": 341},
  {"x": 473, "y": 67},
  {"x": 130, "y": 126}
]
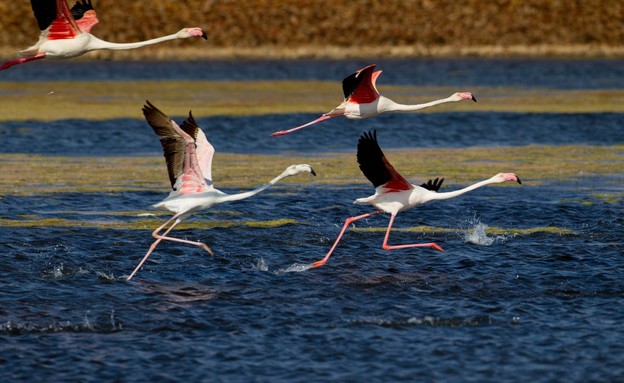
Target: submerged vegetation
[
  {"x": 22, "y": 174},
  {"x": 99, "y": 100}
]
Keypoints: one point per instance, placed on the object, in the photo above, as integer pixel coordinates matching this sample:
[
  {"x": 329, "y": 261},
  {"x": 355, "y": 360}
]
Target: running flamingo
[
  {"x": 362, "y": 100},
  {"x": 394, "y": 194},
  {"x": 189, "y": 162},
  {"x": 65, "y": 33}
]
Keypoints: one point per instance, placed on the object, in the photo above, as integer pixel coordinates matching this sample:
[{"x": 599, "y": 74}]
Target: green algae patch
[
  {"x": 139, "y": 224},
  {"x": 101, "y": 100},
  {"x": 22, "y": 174},
  {"x": 489, "y": 230},
  {"x": 271, "y": 223}
]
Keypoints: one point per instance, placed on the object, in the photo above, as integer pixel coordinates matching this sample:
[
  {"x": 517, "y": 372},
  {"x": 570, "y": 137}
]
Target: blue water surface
[
  {"x": 548, "y": 73},
  {"x": 539, "y": 307}
]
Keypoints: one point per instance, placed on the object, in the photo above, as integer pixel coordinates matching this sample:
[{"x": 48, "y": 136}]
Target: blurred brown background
[{"x": 356, "y": 28}]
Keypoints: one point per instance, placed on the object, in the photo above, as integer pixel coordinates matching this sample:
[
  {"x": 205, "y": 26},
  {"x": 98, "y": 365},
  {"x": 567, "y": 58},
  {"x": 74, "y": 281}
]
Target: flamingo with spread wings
[
  {"x": 394, "y": 194},
  {"x": 362, "y": 100},
  {"x": 65, "y": 33},
  {"x": 189, "y": 163}
]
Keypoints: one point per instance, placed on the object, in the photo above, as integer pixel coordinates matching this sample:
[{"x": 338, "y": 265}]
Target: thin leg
[
  {"x": 322, "y": 118},
  {"x": 164, "y": 237},
  {"x": 385, "y": 245},
  {"x": 348, "y": 221},
  {"x": 9, "y": 64}
]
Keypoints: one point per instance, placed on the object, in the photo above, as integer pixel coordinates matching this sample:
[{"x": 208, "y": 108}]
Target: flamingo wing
[
  {"x": 84, "y": 22},
  {"x": 360, "y": 86},
  {"x": 55, "y": 19},
  {"x": 376, "y": 167},
  {"x": 204, "y": 150},
  {"x": 179, "y": 150},
  {"x": 80, "y": 8}
]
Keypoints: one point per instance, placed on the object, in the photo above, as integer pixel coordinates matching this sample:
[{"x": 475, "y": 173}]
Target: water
[
  {"x": 537, "y": 307},
  {"x": 558, "y": 74}
]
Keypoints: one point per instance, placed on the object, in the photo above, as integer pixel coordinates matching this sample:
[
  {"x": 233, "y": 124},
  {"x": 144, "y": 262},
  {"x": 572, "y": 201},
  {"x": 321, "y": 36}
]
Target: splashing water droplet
[
  {"x": 478, "y": 236},
  {"x": 295, "y": 268},
  {"x": 58, "y": 271},
  {"x": 261, "y": 265}
]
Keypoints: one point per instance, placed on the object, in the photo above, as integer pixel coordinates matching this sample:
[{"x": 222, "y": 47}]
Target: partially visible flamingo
[
  {"x": 394, "y": 194},
  {"x": 65, "y": 33},
  {"x": 362, "y": 100},
  {"x": 189, "y": 162}
]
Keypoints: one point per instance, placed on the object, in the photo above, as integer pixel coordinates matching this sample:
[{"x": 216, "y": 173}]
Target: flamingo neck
[
  {"x": 453, "y": 194},
  {"x": 251, "y": 193},
  {"x": 396, "y": 107},
  {"x": 96, "y": 43}
]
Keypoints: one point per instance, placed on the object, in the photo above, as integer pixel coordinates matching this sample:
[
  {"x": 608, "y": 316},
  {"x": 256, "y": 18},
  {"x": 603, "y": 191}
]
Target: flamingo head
[
  {"x": 503, "y": 177},
  {"x": 459, "y": 96},
  {"x": 185, "y": 33},
  {"x": 296, "y": 169}
]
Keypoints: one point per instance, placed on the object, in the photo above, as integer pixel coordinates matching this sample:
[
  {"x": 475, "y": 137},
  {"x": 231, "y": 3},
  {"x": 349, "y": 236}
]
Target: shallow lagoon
[{"x": 537, "y": 296}]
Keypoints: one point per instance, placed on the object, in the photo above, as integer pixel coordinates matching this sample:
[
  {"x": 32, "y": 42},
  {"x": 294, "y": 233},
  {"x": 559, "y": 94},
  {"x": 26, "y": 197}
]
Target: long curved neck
[
  {"x": 96, "y": 43},
  {"x": 447, "y": 195},
  {"x": 396, "y": 107},
  {"x": 251, "y": 193}
]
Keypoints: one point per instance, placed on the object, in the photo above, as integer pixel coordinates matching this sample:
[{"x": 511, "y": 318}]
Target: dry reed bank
[{"x": 340, "y": 29}]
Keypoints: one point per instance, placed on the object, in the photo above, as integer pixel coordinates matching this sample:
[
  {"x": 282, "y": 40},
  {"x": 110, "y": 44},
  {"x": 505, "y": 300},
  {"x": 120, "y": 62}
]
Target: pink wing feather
[
  {"x": 180, "y": 151},
  {"x": 64, "y": 26}
]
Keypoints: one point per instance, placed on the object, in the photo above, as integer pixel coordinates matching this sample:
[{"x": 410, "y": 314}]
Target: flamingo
[
  {"x": 394, "y": 194},
  {"x": 188, "y": 155},
  {"x": 65, "y": 33},
  {"x": 362, "y": 100}
]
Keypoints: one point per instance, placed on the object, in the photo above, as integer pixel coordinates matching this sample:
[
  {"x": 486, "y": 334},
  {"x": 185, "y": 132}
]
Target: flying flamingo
[
  {"x": 65, "y": 33},
  {"x": 394, "y": 194},
  {"x": 362, "y": 100},
  {"x": 189, "y": 162}
]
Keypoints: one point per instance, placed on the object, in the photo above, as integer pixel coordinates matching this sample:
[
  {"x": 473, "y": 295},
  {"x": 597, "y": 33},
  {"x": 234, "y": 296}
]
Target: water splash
[
  {"x": 104, "y": 276},
  {"x": 261, "y": 265},
  {"x": 57, "y": 272},
  {"x": 295, "y": 268},
  {"x": 478, "y": 235}
]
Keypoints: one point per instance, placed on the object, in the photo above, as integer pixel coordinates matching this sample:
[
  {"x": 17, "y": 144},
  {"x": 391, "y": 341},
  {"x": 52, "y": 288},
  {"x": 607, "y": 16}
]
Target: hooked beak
[
  {"x": 520, "y": 182},
  {"x": 312, "y": 171},
  {"x": 205, "y": 36},
  {"x": 474, "y": 98}
]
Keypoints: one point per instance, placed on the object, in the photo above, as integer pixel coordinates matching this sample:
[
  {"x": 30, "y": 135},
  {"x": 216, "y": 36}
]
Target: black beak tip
[
  {"x": 313, "y": 172},
  {"x": 204, "y": 35},
  {"x": 520, "y": 182},
  {"x": 474, "y": 98}
]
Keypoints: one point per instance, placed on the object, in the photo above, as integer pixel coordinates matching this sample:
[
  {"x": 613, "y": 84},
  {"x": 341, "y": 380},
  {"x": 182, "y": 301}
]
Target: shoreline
[{"x": 335, "y": 52}]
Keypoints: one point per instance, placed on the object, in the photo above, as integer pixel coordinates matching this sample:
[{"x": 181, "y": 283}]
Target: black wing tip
[
  {"x": 433, "y": 185},
  {"x": 149, "y": 107},
  {"x": 80, "y": 8},
  {"x": 369, "y": 135}
]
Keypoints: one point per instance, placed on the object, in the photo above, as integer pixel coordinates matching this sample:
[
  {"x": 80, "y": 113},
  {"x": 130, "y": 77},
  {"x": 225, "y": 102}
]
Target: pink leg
[
  {"x": 164, "y": 237},
  {"x": 348, "y": 221},
  {"x": 9, "y": 64},
  {"x": 322, "y": 118},
  {"x": 385, "y": 245}
]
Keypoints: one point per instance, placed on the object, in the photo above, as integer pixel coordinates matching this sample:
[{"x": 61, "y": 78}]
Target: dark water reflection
[
  {"x": 558, "y": 74},
  {"x": 251, "y": 134}
]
